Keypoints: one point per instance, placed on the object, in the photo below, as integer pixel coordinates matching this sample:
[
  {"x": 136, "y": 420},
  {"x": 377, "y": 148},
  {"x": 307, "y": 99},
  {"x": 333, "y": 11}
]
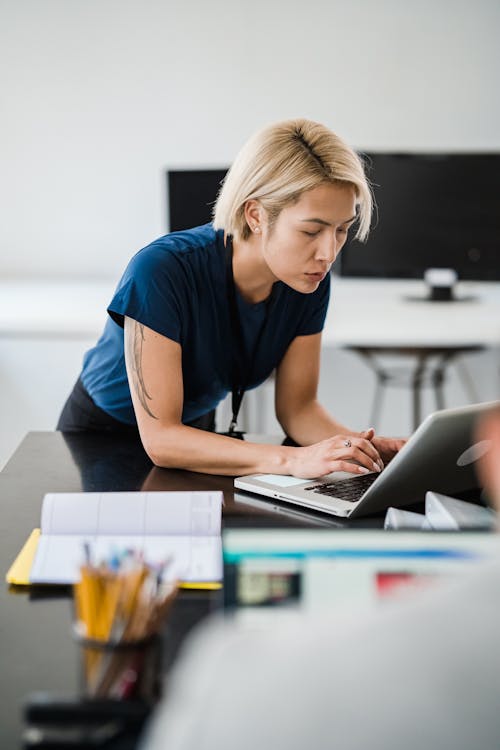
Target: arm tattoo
[{"x": 135, "y": 341}]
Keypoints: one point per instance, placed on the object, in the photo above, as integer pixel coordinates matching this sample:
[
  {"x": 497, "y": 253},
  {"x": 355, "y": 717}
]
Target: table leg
[
  {"x": 416, "y": 384},
  {"x": 466, "y": 380},
  {"x": 437, "y": 382},
  {"x": 377, "y": 400}
]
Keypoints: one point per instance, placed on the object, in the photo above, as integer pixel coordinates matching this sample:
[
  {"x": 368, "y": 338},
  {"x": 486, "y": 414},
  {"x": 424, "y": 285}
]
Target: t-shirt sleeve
[
  {"x": 152, "y": 291},
  {"x": 314, "y": 316}
]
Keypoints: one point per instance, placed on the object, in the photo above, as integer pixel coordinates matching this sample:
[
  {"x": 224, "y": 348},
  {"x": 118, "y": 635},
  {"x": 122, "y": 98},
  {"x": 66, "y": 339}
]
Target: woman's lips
[{"x": 316, "y": 276}]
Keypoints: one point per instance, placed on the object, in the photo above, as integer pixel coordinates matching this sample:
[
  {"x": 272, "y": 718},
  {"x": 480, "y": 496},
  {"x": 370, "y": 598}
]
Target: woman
[{"x": 216, "y": 309}]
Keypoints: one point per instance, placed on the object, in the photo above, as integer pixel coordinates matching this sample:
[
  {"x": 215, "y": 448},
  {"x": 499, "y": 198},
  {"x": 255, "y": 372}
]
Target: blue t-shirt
[{"x": 177, "y": 287}]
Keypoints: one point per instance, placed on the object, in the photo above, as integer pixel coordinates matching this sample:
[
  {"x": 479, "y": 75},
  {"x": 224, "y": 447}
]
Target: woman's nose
[{"x": 328, "y": 248}]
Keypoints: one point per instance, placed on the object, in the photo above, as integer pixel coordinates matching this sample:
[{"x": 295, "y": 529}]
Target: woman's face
[{"x": 308, "y": 235}]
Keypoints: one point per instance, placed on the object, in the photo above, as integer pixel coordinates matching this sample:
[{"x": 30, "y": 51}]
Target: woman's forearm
[{"x": 183, "y": 447}]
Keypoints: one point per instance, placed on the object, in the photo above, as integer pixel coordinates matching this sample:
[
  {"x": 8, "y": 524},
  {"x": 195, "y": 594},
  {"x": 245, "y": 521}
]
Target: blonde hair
[{"x": 282, "y": 161}]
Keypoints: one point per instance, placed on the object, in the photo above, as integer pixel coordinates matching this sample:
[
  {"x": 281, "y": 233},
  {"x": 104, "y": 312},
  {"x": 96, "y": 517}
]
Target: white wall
[
  {"x": 99, "y": 97},
  {"x": 36, "y": 376}
]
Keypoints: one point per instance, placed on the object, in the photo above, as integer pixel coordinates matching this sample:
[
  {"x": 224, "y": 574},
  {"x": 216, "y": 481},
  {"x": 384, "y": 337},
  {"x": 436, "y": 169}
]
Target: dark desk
[{"x": 37, "y": 651}]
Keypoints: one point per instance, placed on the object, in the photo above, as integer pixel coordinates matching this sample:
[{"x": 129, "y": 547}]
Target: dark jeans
[{"x": 81, "y": 414}]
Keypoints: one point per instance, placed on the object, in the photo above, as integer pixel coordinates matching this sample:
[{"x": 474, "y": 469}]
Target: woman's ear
[
  {"x": 489, "y": 463},
  {"x": 254, "y": 214}
]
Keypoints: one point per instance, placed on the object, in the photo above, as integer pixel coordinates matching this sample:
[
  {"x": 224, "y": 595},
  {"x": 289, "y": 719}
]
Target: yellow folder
[{"x": 19, "y": 571}]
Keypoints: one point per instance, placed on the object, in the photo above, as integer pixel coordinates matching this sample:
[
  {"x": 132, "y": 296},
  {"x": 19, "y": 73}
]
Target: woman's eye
[{"x": 310, "y": 234}]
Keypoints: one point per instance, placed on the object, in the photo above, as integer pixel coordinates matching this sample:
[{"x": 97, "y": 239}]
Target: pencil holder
[{"x": 121, "y": 670}]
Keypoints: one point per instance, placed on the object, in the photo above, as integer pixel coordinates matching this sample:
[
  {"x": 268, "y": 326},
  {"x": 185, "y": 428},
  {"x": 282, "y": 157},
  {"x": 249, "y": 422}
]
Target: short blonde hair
[{"x": 282, "y": 161}]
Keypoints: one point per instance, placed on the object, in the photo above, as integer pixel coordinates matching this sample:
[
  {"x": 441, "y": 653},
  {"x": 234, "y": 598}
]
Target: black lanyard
[{"x": 240, "y": 375}]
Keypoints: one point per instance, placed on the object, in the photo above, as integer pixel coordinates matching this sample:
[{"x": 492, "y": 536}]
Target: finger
[
  {"x": 342, "y": 465},
  {"x": 388, "y": 447},
  {"x": 347, "y": 440},
  {"x": 369, "y": 448},
  {"x": 368, "y": 434},
  {"x": 396, "y": 445},
  {"x": 341, "y": 446},
  {"x": 356, "y": 454},
  {"x": 392, "y": 443}
]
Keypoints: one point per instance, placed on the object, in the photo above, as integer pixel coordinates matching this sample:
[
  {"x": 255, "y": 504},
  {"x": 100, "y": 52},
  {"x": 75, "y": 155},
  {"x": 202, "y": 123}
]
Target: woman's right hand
[{"x": 353, "y": 453}]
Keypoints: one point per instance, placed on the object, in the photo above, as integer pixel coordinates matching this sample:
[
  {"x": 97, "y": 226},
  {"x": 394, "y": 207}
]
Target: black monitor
[
  {"x": 191, "y": 196},
  {"x": 433, "y": 211}
]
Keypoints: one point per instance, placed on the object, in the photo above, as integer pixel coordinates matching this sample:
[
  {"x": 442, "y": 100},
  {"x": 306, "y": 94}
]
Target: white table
[
  {"x": 375, "y": 318},
  {"x": 366, "y": 316},
  {"x": 45, "y": 328},
  {"x": 362, "y": 312},
  {"x": 59, "y": 308},
  {"x": 380, "y": 313}
]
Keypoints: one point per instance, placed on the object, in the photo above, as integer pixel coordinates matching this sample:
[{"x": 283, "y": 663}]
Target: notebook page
[
  {"x": 137, "y": 513},
  {"x": 195, "y": 513},
  {"x": 69, "y": 512},
  {"x": 194, "y": 559}
]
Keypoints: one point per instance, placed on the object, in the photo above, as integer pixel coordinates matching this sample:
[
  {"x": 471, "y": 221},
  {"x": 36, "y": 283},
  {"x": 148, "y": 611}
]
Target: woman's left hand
[{"x": 387, "y": 447}]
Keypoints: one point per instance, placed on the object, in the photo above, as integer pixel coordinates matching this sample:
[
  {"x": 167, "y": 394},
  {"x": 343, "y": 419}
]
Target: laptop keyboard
[{"x": 351, "y": 489}]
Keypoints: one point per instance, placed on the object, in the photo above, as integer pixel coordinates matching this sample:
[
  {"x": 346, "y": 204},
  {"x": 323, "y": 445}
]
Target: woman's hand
[
  {"x": 387, "y": 447},
  {"x": 353, "y": 453}
]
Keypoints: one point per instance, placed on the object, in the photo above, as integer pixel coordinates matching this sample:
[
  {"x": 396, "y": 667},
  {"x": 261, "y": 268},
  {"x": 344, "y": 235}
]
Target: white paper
[
  {"x": 395, "y": 518},
  {"x": 183, "y": 527},
  {"x": 132, "y": 513},
  {"x": 445, "y": 513},
  {"x": 193, "y": 559}
]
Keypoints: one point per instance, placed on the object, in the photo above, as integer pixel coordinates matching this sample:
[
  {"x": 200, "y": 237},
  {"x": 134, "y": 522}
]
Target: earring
[{"x": 256, "y": 230}]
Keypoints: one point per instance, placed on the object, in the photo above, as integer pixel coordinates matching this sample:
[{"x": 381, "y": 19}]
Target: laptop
[
  {"x": 440, "y": 456},
  {"x": 283, "y": 515}
]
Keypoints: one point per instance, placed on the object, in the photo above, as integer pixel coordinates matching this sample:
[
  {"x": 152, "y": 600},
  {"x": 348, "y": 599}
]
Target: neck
[{"x": 252, "y": 275}]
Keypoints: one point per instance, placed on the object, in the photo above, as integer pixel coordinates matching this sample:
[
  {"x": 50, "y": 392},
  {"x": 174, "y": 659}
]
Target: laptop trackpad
[{"x": 279, "y": 480}]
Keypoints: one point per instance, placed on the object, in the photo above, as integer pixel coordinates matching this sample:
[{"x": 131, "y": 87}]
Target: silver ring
[{"x": 347, "y": 443}]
